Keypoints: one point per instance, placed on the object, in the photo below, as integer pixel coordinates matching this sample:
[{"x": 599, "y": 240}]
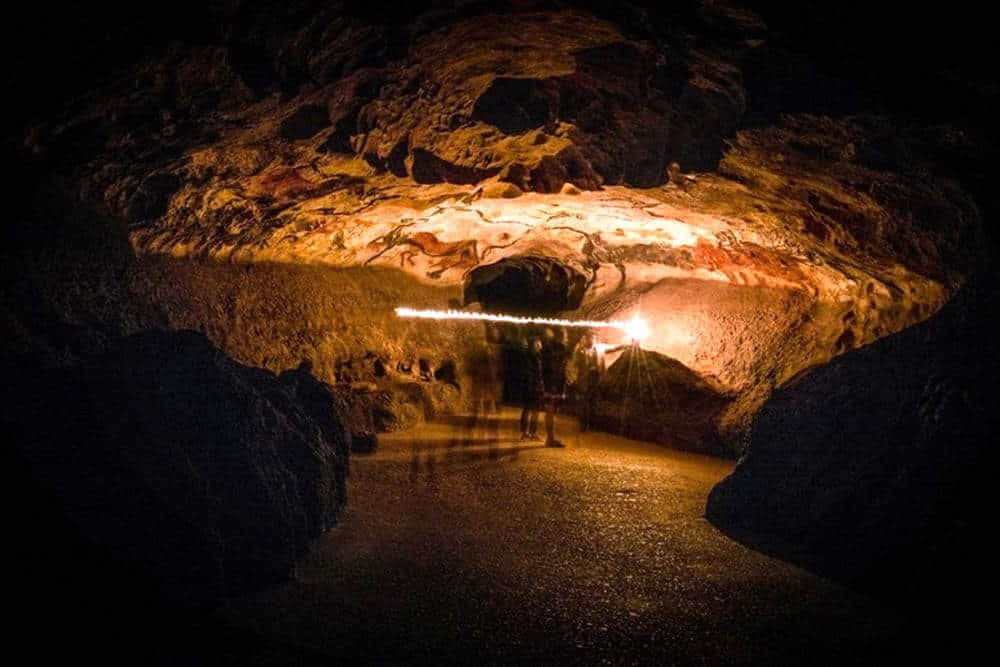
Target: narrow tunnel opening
[{"x": 526, "y": 285}]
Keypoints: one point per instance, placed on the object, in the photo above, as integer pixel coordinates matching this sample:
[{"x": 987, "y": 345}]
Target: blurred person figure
[
  {"x": 485, "y": 378},
  {"x": 554, "y": 356},
  {"x": 590, "y": 370},
  {"x": 531, "y": 387}
]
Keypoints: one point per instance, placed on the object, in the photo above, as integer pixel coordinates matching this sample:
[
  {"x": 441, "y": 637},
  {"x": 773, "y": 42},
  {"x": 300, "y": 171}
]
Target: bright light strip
[{"x": 635, "y": 328}]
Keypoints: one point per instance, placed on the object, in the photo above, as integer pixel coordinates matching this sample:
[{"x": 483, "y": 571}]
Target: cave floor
[{"x": 468, "y": 545}]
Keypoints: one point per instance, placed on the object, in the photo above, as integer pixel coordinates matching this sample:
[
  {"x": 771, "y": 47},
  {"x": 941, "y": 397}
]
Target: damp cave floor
[{"x": 463, "y": 545}]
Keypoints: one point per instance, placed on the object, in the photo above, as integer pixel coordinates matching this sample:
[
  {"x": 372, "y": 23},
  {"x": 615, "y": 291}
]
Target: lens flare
[{"x": 636, "y": 328}]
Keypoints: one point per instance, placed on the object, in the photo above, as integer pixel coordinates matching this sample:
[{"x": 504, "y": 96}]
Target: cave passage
[
  {"x": 219, "y": 411},
  {"x": 460, "y": 541}
]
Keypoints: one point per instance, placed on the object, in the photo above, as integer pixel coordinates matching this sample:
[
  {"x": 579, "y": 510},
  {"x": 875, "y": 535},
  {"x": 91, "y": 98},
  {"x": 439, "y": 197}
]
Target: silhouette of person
[
  {"x": 590, "y": 370},
  {"x": 554, "y": 357},
  {"x": 531, "y": 387},
  {"x": 485, "y": 375},
  {"x": 483, "y": 366}
]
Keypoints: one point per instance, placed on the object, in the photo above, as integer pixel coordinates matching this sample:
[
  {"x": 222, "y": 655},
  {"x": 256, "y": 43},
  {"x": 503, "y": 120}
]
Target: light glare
[{"x": 635, "y": 328}]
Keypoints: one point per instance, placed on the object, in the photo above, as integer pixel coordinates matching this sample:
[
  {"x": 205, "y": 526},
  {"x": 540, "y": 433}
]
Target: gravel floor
[{"x": 466, "y": 545}]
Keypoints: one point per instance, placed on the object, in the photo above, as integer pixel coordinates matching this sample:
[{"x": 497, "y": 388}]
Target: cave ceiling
[{"x": 457, "y": 142}]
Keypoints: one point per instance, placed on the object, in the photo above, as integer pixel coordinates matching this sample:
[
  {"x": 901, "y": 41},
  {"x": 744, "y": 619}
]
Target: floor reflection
[{"x": 464, "y": 439}]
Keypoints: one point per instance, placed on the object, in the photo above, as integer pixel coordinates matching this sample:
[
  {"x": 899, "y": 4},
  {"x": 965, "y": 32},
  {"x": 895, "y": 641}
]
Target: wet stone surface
[{"x": 463, "y": 543}]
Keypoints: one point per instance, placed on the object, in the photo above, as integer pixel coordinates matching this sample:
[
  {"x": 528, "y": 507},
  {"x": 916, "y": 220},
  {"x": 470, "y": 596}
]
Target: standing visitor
[
  {"x": 590, "y": 365},
  {"x": 554, "y": 358},
  {"x": 532, "y": 387}
]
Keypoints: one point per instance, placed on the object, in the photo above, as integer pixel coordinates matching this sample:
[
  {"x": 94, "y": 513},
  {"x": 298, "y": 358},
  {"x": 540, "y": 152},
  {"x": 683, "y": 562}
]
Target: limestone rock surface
[{"x": 455, "y": 139}]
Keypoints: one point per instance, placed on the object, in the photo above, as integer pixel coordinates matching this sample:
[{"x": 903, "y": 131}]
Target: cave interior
[{"x": 221, "y": 430}]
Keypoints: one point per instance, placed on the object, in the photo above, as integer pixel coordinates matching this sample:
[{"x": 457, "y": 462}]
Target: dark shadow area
[
  {"x": 649, "y": 396},
  {"x": 915, "y": 61},
  {"x": 517, "y": 105},
  {"x": 876, "y": 469},
  {"x": 526, "y": 285},
  {"x": 105, "y": 562},
  {"x": 207, "y": 477}
]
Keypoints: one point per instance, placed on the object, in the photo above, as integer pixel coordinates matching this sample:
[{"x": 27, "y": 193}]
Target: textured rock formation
[
  {"x": 151, "y": 462},
  {"x": 207, "y": 477},
  {"x": 874, "y": 468},
  {"x": 566, "y": 97},
  {"x": 273, "y": 315},
  {"x": 456, "y": 138},
  {"x": 651, "y": 397}
]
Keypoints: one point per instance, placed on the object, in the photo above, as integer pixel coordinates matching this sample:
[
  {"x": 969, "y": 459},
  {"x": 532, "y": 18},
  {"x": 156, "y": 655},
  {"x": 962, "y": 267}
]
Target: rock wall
[
  {"x": 609, "y": 142},
  {"x": 206, "y": 477},
  {"x": 174, "y": 475},
  {"x": 341, "y": 320},
  {"x": 874, "y": 468},
  {"x": 648, "y": 396}
]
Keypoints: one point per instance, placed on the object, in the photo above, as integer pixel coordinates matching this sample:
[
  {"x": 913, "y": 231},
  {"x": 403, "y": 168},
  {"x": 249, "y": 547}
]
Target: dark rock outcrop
[
  {"x": 426, "y": 167},
  {"x": 304, "y": 122},
  {"x": 526, "y": 285},
  {"x": 872, "y": 469},
  {"x": 178, "y": 476},
  {"x": 206, "y": 477},
  {"x": 517, "y": 105},
  {"x": 360, "y": 410},
  {"x": 649, "y": 396}
]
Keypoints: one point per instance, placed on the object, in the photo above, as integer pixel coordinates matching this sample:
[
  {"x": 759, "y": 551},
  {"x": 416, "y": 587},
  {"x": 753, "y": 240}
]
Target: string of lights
[{"x": 635, "y": 328}]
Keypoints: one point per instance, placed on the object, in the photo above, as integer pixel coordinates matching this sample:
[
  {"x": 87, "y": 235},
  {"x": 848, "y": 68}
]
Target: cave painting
[{"x": 449, "y": 255}]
